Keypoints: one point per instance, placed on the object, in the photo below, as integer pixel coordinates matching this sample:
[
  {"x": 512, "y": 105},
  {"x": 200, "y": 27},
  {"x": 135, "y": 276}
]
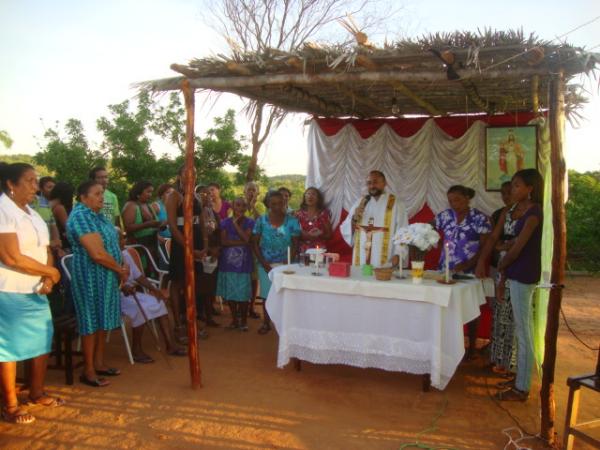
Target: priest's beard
[{"x": 375, "y": 192}]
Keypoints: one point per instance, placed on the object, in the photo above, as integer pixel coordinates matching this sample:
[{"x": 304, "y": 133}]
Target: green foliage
[
  {"x": 294, "y": 183},
  {"x": 42, "y": 171},
  {"x": 69, "y": 157},
  {"x": 220, "y": 148},
  {"x": 125, "y": 139},
  {"x": 583, "y": 217},
  {"x": 5, "y": 139}
]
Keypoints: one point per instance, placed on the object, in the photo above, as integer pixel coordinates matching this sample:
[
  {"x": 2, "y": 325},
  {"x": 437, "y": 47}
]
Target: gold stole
[{"x": 387, "y": 221}]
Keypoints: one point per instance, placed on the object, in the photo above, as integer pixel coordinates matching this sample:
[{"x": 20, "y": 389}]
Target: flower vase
[
  {"x": 417, "y": 264},
  {"x": 417, "y": 271}
]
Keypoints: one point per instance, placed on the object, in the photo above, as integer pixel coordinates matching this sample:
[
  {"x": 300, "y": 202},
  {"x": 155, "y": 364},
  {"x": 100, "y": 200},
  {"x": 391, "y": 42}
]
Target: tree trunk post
[
  {"x": 557, "y": 161},
  {"x": 188, "y": 236}
]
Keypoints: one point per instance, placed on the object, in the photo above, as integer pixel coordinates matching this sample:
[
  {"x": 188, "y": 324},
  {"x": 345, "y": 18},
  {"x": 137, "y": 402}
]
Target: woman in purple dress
[
  {"x": 234, "y": 281},
  {"x": 465, "y": 231}
]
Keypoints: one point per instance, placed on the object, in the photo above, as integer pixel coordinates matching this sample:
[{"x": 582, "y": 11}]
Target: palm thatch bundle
[{"x": 438, "y": 74}]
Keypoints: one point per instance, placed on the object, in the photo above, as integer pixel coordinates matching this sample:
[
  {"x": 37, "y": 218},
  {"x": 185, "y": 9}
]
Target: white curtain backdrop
[{"x": 419, "y": 169}]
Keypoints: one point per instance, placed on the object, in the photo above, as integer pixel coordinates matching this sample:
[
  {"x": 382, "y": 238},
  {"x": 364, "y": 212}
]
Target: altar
[{"x": 358, "y": 321}]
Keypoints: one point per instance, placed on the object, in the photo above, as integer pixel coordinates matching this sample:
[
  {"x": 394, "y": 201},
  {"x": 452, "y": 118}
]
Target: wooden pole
[
  {"x": 559, "y": 252},
  {"x": 189, "y": 175},
  {"x": 535, "y": 95}
]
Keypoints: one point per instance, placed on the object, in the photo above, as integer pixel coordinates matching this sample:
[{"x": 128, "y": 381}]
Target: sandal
[
  {"x": 243, "y": 328},
  {"x": 110, "y": 372},
  {"x": 232, "y": 326},
  {"x": 510, "y": 383},
  {"x": 512, "y": 395},
  {"x": 45, "y": 400},
  {"x": 143, "y": 359},
  {"x": 253, "y": 314},
  {"x": 96, "y": 382},
  {"x": 202, "y": 334},
  {"x": 18, "y": 416},
  {"x": 264, "y": 329},
  {"x": 178, "y": 352}
]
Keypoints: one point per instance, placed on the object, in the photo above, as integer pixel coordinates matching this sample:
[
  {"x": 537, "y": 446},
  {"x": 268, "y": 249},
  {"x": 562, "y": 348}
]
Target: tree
[
  {"x": 5, "y": 139},
  {"x": 220, "y": 148},
  {"x": 130, "y": 149},
  {"x": 264, "y": 25},
  {"x": 69, "y": 157},
  {"x": 583, "y": 216}
]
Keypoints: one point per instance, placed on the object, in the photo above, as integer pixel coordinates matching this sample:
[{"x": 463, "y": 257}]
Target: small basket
[{"x": 383, "y": 273}]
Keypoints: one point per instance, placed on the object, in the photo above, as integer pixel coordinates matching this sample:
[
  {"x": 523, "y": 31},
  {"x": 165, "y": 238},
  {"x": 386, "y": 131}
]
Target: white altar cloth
[{"x": 359, "y": 321}]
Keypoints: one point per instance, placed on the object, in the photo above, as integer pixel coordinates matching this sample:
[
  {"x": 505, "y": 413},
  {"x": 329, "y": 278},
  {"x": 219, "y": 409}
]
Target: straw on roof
[{"x": 440, "y": 74}]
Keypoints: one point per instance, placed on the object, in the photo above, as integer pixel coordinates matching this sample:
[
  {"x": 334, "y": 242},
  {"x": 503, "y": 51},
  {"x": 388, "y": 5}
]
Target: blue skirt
[
  {"x": 25, "y": 326},
  {"x": 234, "y": 286}
]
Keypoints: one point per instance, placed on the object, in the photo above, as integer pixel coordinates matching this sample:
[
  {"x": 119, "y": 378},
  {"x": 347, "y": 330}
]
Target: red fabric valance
[{"x": 454, "y": 126}]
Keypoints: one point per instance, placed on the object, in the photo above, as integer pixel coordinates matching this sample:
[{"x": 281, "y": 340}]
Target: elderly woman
[
  {"x": 465, "y": 231},
  {"x": 274, "y": 233},
  {"x": 314, "y": 220},
  {"x": 26, "y": 275},
  {"x": 96, "y": 274}
]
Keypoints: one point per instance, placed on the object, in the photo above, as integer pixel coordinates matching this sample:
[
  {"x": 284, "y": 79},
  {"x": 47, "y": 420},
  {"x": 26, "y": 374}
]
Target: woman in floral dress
[
  {"x": 314, "y": 220},
  {"x": 465, "y": 230}
]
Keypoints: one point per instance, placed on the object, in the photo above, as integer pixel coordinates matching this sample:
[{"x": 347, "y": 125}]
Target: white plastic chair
[
  {"x": 142, "y": 250},
  {"x": 65, "y": 263}
]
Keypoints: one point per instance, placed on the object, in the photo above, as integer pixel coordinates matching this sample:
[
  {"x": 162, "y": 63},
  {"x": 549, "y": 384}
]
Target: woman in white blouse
[{"x": 27, "y": 274}]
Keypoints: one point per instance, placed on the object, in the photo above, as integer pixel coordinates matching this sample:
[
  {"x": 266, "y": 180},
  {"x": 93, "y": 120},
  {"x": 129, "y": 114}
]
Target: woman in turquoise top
[
  {"x": 96, "y": 273},
  {"x": 274, "y": 233}
]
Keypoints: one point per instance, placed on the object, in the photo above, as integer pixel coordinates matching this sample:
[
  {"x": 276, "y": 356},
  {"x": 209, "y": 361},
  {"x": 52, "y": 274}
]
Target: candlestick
[
  {"x": 289, "y": 256},
  {"x": 447, "y": 262}
]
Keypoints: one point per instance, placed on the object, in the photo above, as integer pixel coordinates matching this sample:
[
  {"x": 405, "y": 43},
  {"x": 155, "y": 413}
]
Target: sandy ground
[{"x": 247, "y": 403}]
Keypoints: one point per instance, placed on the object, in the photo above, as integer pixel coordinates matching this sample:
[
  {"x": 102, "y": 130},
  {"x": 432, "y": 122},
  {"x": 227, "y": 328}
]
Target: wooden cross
[{"x": 370, "y": 229}]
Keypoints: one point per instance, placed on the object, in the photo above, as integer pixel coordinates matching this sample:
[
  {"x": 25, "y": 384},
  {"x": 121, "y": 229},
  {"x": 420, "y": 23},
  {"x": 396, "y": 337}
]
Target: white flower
[{"x": 420, "y": 235}]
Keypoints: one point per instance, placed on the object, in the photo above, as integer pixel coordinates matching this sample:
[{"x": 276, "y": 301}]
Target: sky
[{"x": 72, "y": 58}]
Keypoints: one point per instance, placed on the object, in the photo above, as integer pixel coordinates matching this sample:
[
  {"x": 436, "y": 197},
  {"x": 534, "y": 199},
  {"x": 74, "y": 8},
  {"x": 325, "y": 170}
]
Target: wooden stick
[
  {"x": 188, "y": 236},
  {"x": 559, "y": 252},
  {"x": 535, "y": 94},
  {"x": 198, "y": 81},
  {"x": 401, "y": 87}
]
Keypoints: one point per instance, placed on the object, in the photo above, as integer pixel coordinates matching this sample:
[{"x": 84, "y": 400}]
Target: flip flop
[
  {"x": 18, "y": 417},
  {"x": 97, "y": 382},
  {"x": 178, "y": 352},
  {"x": 110, "y": 372},
  {"x": 51, "y": 402},
  {"x": 143, "y": 359}
]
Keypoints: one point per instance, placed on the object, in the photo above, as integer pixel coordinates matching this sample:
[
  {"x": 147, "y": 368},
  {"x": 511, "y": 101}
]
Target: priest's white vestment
[{"x": 375, "y": 212}]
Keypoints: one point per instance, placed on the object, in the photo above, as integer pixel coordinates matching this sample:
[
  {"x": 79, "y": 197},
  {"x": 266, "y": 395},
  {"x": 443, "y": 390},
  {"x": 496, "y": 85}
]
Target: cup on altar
[{"x": 417, "y": 271}]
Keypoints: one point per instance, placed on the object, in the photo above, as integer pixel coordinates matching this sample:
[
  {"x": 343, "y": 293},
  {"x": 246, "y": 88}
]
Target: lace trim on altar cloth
[{"x": 362, "y": 350}]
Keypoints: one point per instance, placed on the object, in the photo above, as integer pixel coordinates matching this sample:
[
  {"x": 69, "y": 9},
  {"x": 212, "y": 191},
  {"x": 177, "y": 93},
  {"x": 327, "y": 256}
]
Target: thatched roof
[{"x": 438, "y": 74}]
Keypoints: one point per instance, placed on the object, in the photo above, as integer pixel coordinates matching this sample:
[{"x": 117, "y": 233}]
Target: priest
[{"x": 372, "y": 223}]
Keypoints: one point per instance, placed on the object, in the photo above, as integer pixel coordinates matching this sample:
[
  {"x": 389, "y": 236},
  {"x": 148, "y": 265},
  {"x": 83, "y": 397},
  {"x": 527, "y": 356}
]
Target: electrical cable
[{"x": 575, "y": 334}]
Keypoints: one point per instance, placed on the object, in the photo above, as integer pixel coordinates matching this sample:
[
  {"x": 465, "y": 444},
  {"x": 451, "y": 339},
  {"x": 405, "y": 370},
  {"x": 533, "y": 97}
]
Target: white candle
[
  {"x": 289, "y": 256},
  {"x": 447, "y": 261},
  {"x": 400, "y": 261}
]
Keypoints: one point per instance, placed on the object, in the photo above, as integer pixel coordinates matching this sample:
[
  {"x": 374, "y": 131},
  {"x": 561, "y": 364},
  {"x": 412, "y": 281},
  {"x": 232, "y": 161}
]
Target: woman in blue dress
[
  {"x": 96, "y": 274},
  {"x": 274, "y": 233},
  {"x": 465, "y": 230},
  {"x": 27, "y": 274}
]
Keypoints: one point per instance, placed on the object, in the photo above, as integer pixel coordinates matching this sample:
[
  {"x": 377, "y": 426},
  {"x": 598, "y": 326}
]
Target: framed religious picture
[{"x": 508, "y": 150}]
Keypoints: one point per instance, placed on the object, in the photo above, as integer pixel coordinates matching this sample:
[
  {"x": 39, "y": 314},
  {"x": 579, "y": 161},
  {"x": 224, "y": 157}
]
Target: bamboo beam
[
  {"x": 224, "y": 82},
  {"x": 188, "y": 236},
  {"x": 559, "y": 252},
  {"x": 403, "y": 89}
]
